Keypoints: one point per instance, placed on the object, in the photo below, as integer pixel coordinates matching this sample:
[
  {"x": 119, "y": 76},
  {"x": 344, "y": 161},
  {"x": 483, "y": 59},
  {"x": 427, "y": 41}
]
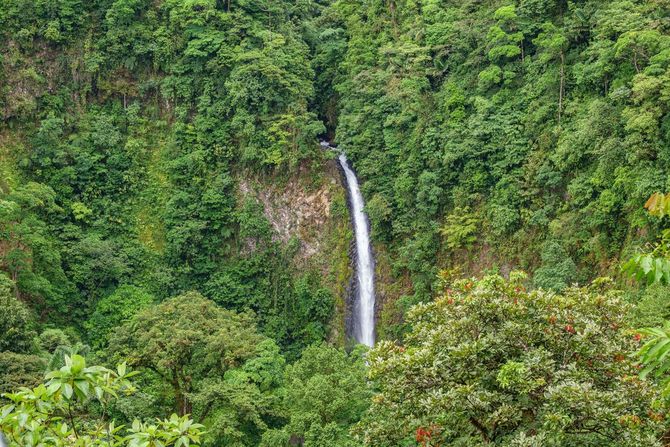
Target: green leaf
[
  {"x": 646, "y": 263},
  {"x": 53, "y": 388},
  {"x": 83, "y": 386},
  {"x": 67, "y": 390}
]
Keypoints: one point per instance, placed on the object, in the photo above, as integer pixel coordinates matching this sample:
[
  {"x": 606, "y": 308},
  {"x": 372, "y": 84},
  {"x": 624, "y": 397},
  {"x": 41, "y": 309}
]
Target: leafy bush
[
  {"x": 50, "y": 414},
  {"x": 326, "y": 393},
  {"x": 114, "y": 310},
  {"x": 558, "y": 269},
  {"x": 52, "y": 339},
  {"x": 17, "y": 326},
  {"x": 460, "y": 228},
  {"x": 489, "y": 363},
  {"x": 20, "y": 370},
  {"x": 652, "y": 309}
]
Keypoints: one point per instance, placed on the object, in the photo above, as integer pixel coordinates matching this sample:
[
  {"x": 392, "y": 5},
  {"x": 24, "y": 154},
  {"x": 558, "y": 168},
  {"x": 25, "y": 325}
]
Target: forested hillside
[
  {"x": 127, "y": 127},
  {"x": 166, "y": 209},
  {"x": 495, "y": 135}
]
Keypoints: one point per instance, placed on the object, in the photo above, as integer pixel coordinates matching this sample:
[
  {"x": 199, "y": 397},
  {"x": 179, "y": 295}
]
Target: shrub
[
  {"x": 114, "y": 310},
  {"x": 489, "y": 363},
  {"x": 52, "y": 339},
  {"x": 558, "y": 269},
  {"x": 17, "y": 332}
]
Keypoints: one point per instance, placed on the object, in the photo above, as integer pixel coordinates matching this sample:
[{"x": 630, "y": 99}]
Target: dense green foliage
[
  {"x": 54, "y": 413},
  {"x": 546, "y": 121},
  {"x": 326, "y": 393},
  {"x": 15, "y": 322},
  {"x": 213, "y": 362},
  {"x": 492, "y": 364},
  {"x": 114, "y": 310},
  {"x": 654, "y": 266},
  {"x": 164, "y": 202},
  {"x": 129, "y": 123}
]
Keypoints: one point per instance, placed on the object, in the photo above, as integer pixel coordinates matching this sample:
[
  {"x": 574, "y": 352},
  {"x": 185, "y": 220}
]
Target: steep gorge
[
  {"x": 486, "y": 136},
  {"x": 166, "y": 209}
]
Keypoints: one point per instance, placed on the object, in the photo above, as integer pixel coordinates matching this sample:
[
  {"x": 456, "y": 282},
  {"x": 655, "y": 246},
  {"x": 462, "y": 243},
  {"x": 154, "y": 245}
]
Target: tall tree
[{"x": 214, "y": 362}]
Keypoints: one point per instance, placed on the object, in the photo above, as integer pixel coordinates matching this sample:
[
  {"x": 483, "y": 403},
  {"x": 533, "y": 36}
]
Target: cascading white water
[{"x": 364, "y": 305}]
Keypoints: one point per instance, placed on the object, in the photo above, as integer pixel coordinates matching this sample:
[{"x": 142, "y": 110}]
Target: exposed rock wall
[{"x": 296, "y": 209}]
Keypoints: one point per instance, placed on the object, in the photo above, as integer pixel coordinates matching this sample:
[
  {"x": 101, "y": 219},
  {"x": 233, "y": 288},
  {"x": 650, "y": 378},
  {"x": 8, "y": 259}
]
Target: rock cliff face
[
  {"x": 311, "y": 207},
  {"x": 295, "y": 212},
  {"x": 298, "y": 208}
]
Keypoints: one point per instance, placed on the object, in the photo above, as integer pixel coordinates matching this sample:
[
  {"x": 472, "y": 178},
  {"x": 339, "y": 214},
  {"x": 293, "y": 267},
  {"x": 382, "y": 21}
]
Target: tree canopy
[
  {"x": 165, "y": 204},
  {"x": 490, "y": 363}
]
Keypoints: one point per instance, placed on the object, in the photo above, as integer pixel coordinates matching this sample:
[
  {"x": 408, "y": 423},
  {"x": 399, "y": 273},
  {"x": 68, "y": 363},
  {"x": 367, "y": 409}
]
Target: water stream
[{"x": 363, "y": 318}]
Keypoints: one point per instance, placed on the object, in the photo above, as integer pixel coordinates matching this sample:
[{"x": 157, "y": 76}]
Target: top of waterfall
[{"x": 326, "y": 145}]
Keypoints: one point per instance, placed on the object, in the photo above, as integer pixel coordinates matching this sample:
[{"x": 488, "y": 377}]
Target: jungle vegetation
[{"x": 148, "y": 298}]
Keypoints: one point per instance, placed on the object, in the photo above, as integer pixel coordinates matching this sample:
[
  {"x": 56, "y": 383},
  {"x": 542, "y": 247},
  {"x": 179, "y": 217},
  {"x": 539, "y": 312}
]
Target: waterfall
[{"x": 363, "y": 317}]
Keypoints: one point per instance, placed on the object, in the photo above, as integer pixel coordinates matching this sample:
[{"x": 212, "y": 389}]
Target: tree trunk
[
  {"x": 183, "y": 404},
  {"x": 394, "y": 21}
]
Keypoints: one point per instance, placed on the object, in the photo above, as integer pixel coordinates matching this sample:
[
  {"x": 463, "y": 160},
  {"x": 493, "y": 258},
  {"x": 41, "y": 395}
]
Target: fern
[{"x": 460, "y": 228}]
